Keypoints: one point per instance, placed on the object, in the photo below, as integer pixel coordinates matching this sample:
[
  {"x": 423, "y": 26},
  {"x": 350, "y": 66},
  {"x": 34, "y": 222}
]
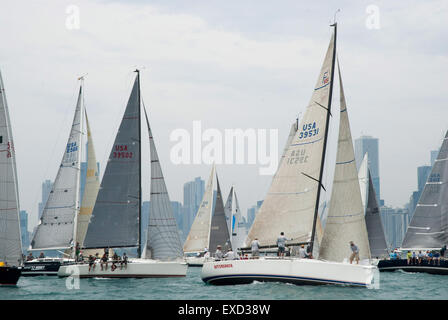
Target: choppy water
[{"x": 393, "y": 285}]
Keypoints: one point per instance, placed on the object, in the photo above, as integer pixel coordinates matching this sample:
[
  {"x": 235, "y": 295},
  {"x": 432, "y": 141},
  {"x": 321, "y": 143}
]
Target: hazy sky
[{"x": 230, "y": 64}]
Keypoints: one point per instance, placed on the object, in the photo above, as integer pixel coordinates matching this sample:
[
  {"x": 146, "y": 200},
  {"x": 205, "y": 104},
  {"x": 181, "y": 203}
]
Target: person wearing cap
[
  {"x": 218, "y": 253},
  {"x": 230, "y": 255},
  {"x": 355, "y": 252},
  {"x": 302, "y": 252},
  {"x": 281, "y": 244},
  {"x": 206, "y": 253}
]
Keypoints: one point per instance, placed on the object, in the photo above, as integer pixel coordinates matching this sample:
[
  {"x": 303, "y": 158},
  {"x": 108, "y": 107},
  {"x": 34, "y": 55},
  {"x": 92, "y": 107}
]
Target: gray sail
[
  {"x": 219, "y": 232},
  {"x": 375, "y": 230},
  {"x": 57, "y": 225},
  {"x": 115, "y": 217},
  {"x": 163, "y": 240},
  {"x": 429, "y": 225},
  {"x": 228, "y": 210},
  {"x": 10, "y": 238}
]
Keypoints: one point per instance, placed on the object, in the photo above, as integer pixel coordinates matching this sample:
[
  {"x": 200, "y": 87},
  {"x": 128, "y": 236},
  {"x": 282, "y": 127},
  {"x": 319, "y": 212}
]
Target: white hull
[
  {"x": 195, "y": 261},
  {"x": 296, "y": 271},
  {"x": 136, "y": 268}
]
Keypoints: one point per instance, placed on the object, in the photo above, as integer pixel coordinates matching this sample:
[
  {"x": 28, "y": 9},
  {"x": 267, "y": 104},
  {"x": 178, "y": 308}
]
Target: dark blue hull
[
  {"x": 9, "y": 275},
  {"x": 425, "y": 266}
]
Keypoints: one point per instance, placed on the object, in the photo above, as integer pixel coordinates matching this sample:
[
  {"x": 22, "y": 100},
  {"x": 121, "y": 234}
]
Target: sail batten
[{"x": 10, "y": 236}]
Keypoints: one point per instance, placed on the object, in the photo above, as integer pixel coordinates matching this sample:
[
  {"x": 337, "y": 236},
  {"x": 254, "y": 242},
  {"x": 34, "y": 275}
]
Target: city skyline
[{"x": 238, "y": 74}]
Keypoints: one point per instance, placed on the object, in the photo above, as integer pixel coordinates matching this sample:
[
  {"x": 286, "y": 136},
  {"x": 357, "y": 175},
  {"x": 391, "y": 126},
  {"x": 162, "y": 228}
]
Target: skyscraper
[
  {"x": 434, "y": 154},
  {"x": 370, "y": 145},
  {"x": 24, "y": 230}
]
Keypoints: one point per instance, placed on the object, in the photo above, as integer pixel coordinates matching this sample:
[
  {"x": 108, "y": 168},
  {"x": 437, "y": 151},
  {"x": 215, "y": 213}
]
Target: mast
[
  {"x": 139, "y": 249},
  {"x": 316, "y": 207},
  {"x": 78, "y": 178}
]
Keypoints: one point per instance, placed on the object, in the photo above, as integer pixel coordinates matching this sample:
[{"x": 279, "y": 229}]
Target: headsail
[
  {"x": 163, "y": 241},
  {"x": 429, "y": 224},
  {"x": 199, "y": 236},
  {"x": 10, "y": 238},
  {"x": 57, "y": 225},
  {"x": 290, "y": 205},
  {"x": 115, "y": 216},
  {"x": 219, "y": 232},
  {"x": 345, "y": 220},
  {"x": 91, "y": 189},
  {"x": 375, "y": 230},
  {"x": 237, "y": 228}
]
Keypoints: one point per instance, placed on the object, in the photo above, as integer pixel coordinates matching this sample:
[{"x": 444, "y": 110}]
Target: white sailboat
[
  {"x": 58, "y": 227},
  {"x": 116, "y": 217},
  {"x": 10, "y": 237},
  {"x": 236, "y": 224},
  {"x": 209, "y": 228},
  {"x": 291, "y": 206}
]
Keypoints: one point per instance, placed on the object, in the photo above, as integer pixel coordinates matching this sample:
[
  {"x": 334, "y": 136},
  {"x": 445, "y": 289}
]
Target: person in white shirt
[
  {"x": 218, "y": 253},
  {"x": 255, "y": 247},
  {"x": 281, "y": 244},
  {"x": 206, "y": 253},
  {"x": 302, "y": 252},
  {"x": 230, "y": 255}
]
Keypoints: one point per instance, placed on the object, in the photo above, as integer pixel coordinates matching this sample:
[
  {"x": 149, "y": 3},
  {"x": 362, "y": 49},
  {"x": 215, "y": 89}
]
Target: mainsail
[
  {"x": 292, "y": 200},
  {"x": 91, "y": 188},
  {"x": 345, "y": 220},
  {"x": 237, "y": 227},
  {"x": 219, "y": 232},
  {"x": 115, "y": 216},
  {"x": 429, "y": 225},
  {"x": 163, "y": 241},
  {"x": 57, "y": 225},
  {"x": 199, "y": 236},
  {"x": 10, "y": 238}
]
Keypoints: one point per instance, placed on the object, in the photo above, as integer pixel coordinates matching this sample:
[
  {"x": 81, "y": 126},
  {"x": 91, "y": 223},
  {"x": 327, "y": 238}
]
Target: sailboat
[
  {"x": 375, "y": 230},
  {"x": 116, "y": 217},
  {"x": 235, "y": 223},
  {"x": 58, "y": 227},
  {"x": 10, "y": 237},
  {"x": 292, "y": 205},
  {"x": 428, "y": 229},
  {"x": 209, "y": 228}
]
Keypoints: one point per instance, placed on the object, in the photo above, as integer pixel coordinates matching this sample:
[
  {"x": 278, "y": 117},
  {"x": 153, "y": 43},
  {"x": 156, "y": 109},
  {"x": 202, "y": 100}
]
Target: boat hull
[
  {"x": 295, "y": 271},
  {"x": 9, "y": 276},
  {"x": 44, "y": 267},
  {"x": 195, "y": 261},
  {"x": 425, "y": 267},
  {"x": 136, "y": 268}
]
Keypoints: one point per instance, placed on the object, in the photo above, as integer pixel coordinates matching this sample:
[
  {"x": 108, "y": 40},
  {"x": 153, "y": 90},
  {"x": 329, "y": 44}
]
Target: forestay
[
  {"x": 429, "y": 225},
  {"x": 345, "y": 220},
  {"x": 115, "y": 216},
  {"x": 10, "y": 238},
  {"x": 56, "y": 226},
  {"x": 199, "y": 236},
  {"x": 290, "y": 204}
]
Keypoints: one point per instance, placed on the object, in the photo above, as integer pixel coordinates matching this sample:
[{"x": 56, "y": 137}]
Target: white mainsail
[
  {"x": 56, "y": 227},
  {"x": 91, "y": 188},
  {"x": 199, "y": 236},
  {"x": 345, "y": 221},
  {"x": 290, "y": 204},
  {"x": 10, "y": 237}
]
